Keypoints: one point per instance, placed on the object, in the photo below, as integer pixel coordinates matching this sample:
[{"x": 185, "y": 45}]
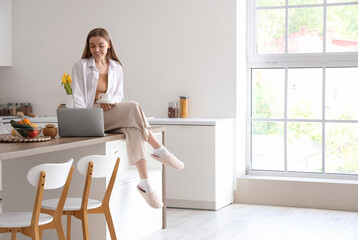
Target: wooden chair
[
  {"x": 93, "y": 166},
  {"x": 31, "y": 224}
]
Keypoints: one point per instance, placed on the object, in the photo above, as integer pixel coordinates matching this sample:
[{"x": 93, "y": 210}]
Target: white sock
[
  {"x": 161, "y": 152},
  {"x": 145, "y": 185}
]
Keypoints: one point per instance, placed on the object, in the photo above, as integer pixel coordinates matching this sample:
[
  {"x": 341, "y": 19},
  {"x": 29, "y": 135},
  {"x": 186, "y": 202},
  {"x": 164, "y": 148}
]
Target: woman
[{"x": 100, "y": 71}]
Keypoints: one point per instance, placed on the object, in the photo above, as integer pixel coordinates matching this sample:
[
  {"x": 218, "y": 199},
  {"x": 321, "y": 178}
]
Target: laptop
[{"x": 80, "y": 122}]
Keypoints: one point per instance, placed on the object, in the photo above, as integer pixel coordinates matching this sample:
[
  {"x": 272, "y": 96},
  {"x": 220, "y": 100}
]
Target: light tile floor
[{"x": 255, "y": 222}]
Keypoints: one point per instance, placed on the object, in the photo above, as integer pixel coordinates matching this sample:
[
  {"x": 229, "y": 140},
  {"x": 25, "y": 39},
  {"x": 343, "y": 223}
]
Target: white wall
[
  {"x": 5, "y": 32},
  {"x": 168, "y": 48}
]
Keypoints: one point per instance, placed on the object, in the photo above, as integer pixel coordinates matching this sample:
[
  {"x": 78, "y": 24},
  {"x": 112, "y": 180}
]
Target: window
[
  {"x": 306, "y": 26},
  {"x": 303, "y": 64}
]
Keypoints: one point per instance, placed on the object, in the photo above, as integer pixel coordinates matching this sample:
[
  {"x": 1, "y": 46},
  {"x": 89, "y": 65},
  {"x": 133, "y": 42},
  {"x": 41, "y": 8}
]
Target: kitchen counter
[
  {"x": 37, "y": 119},
  {"x": 132, "y": 217},
  {"x": 187, "y": 121},
  {"x": 17, "y": 150}
]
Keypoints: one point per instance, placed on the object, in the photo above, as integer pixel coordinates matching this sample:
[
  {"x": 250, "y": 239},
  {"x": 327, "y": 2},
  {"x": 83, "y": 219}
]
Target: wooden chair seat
[
  {"x": 22, "y": 219},
  {"x": 71, "y": 204}
]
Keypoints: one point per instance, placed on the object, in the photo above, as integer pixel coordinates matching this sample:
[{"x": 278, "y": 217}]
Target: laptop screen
[{"x": 80, "y": 122}]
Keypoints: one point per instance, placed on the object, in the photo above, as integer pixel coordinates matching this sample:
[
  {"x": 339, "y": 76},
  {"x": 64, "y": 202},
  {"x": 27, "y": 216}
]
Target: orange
[{"x": 26, "y": 121}]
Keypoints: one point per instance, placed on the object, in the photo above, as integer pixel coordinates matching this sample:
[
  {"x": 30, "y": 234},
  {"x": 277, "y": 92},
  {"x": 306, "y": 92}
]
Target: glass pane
[
  {"x": 266, "y": 3},
  {"x": 341, "y": 147},
  {"x": 304, "y": 147},
  {"x": 268, "y": 93},
  {"x": 305, "y": 30},
  {"x": 341, "y": 93},
  {"x": 342, "y": 28},
  {"x": 302, "y": 2},
  {"x": 267, "y": 146},
  {"x": 270, "y": 31},
  {"x": 304, "y": 93}
]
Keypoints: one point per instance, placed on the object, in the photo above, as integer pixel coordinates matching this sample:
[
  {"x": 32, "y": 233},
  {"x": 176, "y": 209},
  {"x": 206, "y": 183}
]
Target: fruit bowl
[
  {"x": 21, "y": 132},
  {"x": 24, "y": 131}
]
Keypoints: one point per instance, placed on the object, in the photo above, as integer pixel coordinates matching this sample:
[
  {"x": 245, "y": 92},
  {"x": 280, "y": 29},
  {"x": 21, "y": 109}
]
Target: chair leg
[
  {"x": 68, "y": 227},
  {"x": 109, "y": 220},
  {"x": 41, "y": 232},
  {"x": 85, "y": 227},
  {"x": 36, "y": 235},
  {"x": 13, "y": 235},
  {"x": 59, "y": 230}
]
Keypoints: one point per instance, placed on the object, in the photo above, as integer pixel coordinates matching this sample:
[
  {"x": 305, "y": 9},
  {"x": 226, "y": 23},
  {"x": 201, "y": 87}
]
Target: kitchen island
[{"x": 132, "y": 217}]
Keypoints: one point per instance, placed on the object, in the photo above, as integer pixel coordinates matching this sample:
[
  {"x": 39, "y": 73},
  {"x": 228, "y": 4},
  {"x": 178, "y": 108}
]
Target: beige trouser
[{"x": 129, "y": 118}]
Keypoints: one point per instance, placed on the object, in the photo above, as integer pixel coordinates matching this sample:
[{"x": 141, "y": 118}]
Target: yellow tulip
[{"x": 66, "y": 82}]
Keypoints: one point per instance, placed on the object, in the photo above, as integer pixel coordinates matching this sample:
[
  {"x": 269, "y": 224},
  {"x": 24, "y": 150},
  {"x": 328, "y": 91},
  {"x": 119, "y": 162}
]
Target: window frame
[
  {"x": 323, "y": 59},
  {"x": 286, "y": 61}
]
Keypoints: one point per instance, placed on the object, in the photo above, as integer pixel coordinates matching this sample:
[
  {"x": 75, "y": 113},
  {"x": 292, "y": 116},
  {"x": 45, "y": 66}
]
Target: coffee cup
[{"x": 105, "y": 97}]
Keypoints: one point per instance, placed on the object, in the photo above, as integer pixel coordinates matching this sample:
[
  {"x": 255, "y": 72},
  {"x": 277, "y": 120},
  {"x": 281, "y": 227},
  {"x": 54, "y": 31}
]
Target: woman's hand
[{"x": 106, "y": 106}]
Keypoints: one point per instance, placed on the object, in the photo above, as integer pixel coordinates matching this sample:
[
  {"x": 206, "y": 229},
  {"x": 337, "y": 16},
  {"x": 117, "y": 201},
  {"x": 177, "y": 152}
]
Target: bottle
[
  {"x": 184, "y": 102},
  {"x": 12, "y": 109},
  {"x": 172, "y": 110},
  {"x": 21, "y": 108}
]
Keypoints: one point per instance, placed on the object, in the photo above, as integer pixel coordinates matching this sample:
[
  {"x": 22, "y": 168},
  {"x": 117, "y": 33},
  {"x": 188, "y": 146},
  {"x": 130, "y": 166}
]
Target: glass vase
[{"x": 69, "y": 101}]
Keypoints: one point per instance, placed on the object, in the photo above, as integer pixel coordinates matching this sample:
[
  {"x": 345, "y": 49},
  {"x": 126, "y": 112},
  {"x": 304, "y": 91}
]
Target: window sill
[{"x": 301, "y": 179}]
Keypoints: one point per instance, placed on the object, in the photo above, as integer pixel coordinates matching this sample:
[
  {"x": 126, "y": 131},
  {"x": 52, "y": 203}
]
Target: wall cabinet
[
  {"x": 206, "y": 148},
  {"x": 5, "y": 32}
]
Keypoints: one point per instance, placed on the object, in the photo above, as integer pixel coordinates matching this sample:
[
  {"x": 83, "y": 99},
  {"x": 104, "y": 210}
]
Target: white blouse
[{"x": 85, "y": 78}]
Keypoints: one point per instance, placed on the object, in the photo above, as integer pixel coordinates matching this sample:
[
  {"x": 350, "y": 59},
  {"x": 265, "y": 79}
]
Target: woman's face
[{"x": 98, "y": 47}]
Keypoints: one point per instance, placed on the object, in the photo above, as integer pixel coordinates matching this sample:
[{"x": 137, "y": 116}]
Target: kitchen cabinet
[
  {"x": 206, "y": 147},
  {"x": 6, "y": 32}
]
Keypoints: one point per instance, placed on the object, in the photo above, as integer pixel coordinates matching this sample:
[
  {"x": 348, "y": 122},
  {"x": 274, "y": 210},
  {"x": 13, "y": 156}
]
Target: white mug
[{"x": 105, "y": 97}]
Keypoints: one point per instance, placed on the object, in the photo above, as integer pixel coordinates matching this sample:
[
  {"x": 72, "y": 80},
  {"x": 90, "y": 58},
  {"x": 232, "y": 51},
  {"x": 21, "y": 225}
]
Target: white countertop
[
  {"x": 37, "y": 119},
  {"x": 151, "y": 120},
  {"x": 187, "y": 121}
]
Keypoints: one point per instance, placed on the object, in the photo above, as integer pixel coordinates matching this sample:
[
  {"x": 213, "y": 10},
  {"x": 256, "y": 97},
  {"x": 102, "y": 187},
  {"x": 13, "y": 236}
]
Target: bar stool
[
  {"x": 92, "y": 166},
  {"x": 31, "y": 224}
]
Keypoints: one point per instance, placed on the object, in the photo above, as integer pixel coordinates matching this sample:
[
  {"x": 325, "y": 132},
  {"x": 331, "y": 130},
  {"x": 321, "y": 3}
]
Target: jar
[
  {"x": 184, "y": 101},
  {"x": 50, "y": 130},
  {"x": 12, "y": 109},
  {"x": 4, "y": 110},
  {"x": 26, "y": 108},
  {"x": 173, "y": 110},
  {"x": 21, "y": 107}
]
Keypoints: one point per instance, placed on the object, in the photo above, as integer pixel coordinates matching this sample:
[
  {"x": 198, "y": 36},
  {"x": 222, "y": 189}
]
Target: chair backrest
[
  {"x": 56, "y": 174},
  {"x": 102, "y": 165}
]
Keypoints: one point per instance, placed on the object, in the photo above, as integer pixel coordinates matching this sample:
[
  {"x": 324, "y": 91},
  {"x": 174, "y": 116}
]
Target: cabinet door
[
  {"x": 195, "y": 146},
  {"x": 6, "y": 33}
]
